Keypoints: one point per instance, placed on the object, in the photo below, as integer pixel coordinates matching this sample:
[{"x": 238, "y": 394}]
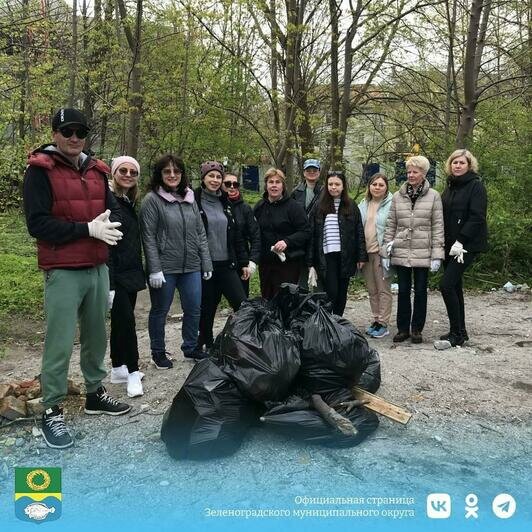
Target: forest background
[{"x": 265, "y": 82}]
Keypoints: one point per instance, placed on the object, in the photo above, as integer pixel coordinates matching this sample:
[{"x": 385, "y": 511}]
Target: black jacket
[
  {"x": 235, "y": 244},
  {"x": 248, "y": 227},
  {"x": 282, "y": 220},
  {"x": 299, "y": 195},
  {"x": 352, "y": 241},
  {"x": 125, "y": 259},
  {"x": 465, "y": 204}
]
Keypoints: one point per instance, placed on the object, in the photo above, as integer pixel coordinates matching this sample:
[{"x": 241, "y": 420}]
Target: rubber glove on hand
[
  {"x": 385, "y": 263},
  {"x": 110, "y": 299},
  {"x": 245, "y": 274},
  {"x": 280, "y": 254},
  {"x": 435, "y": 265},
  {"x": 207, "y": 276},
  {"x": 389, "y": 247},
  {"x": 156, "y": 280},
  {"x": 312, "y": 277},
  {"x": 252, "y": 267},
  {"x": 457, "y": 251},
  {"x": 102, "y": 229}
]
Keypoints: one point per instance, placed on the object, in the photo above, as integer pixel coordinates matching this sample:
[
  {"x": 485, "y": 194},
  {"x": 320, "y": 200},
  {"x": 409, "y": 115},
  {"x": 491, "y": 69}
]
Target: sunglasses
[
  {"x": 67, "y": 132},
  {"x": 125, "y": 171},
  {"x": 231, "y": 184}
]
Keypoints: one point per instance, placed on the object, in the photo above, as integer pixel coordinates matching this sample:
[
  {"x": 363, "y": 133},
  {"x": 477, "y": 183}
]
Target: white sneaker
[
  {"x": 134, "y": 384},
  {"x": 119, "y": 375}
]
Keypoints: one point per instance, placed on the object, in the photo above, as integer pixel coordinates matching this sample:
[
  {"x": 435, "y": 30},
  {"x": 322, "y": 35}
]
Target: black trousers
[
  {"x": 124, "y": 347},
  {"x": 224, "y": 282},
  {"x": 405, "y": 317},
  {"x": 452, "y": 290},
  {"x": 335, "y": 285}
]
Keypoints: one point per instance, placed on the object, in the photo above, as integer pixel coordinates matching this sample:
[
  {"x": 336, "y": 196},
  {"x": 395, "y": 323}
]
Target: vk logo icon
[{"x": 439, "y": 506}]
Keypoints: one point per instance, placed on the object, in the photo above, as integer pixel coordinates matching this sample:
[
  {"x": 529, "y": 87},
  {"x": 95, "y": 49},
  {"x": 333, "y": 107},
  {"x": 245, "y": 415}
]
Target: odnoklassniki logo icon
[{"x": 38, "y": 494}]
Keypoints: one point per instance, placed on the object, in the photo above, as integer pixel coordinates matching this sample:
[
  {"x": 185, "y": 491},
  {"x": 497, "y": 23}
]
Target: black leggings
[
  {"x": 452, "y": 292},
  {"x": 224, "y": 281},
  {"x": 335, "y": 285},
  {"x": 124, "y": 348}
]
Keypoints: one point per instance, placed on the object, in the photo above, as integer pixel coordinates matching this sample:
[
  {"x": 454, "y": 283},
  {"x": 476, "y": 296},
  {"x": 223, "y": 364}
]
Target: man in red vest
[{"x": 67, "y": 203}]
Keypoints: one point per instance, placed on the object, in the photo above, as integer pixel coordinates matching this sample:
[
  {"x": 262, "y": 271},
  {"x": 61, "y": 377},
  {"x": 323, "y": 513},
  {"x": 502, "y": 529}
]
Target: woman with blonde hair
[
  {"x": 284, "y": 233},
  {"x": 466, "y": 235},
  {"x": 413, "y": 243},
  {"x": 374, "y": 210},
  {"x": 126, "y": 278}
]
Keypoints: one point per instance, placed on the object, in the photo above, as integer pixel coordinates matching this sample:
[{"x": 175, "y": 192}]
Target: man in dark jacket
[
  {"x": 67, "y": 204},
  {"x": 307, "y": 194}
]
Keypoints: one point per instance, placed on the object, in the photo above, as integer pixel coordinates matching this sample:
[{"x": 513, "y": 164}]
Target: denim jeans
[
  {"x": 189, "y": 288},
  {"x": 405, "y": 316}
]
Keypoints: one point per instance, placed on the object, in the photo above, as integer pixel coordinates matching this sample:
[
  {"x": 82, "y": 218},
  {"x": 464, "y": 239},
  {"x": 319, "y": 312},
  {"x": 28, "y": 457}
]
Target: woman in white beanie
[{"x": 126, "y": 278}]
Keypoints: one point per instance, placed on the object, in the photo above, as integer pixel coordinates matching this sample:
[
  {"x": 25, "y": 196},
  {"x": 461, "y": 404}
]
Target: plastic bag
[
  {"x": 259, "y": 355},
  {"x": 208, "y": 417},
  {"x": 296, "y": 418}
]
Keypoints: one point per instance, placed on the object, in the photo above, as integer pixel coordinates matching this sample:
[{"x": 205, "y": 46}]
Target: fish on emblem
[{"x": 38, "y": 511}]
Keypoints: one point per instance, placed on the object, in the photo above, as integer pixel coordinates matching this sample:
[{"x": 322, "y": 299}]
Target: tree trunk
[{"x": 74, "y": 61}]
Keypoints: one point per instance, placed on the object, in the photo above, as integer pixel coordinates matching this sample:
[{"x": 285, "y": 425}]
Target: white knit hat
[{"x": 116, "y": 163}]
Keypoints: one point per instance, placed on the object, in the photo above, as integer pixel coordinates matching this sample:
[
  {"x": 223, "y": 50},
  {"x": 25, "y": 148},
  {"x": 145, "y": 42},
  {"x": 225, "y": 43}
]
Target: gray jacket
[
  {"x": 173, "y": 235},
  {"x": 417, "y": 233}
]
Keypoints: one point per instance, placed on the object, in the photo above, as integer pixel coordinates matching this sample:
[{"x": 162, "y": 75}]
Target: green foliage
[{"x": 21, "y": 285}]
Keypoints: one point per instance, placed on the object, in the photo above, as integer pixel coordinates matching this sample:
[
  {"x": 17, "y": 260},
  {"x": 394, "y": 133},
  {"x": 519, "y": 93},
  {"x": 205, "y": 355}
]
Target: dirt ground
[{"x": 470, "y": 431}]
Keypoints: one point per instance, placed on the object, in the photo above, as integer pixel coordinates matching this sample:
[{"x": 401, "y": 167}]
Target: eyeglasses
[
  {"x": 168, "y": 171},
  {"x": 231, "y": 184},
  {"x": 125, "y": 171},
  {"x": 67, "y": 132}
]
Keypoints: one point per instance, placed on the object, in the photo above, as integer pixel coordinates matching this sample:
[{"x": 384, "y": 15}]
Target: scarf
[{"x": 414, "y": 192}]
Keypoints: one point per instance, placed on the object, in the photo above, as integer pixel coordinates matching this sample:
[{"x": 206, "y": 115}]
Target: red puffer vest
[{"x": 78, "y": 196}]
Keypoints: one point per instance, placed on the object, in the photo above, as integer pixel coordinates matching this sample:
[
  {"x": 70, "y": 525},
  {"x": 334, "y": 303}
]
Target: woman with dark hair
[
  {"x": 246, "y": 223},
  {"x": 465, "y": 203},
  {"x": 284, "y": 234},
  {"x": 374, "y": 209},
  {"x": 176, "y": 250},
  {"x": 226, "y": 247},
  {"x": 126, "y": 278},
  {"x": 337, "y": 245}
]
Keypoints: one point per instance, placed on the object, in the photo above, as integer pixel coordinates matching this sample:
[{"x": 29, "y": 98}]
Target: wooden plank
[{"x": 382, "y": 406}]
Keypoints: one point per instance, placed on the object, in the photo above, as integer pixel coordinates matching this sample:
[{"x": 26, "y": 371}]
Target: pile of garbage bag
[{"x": 288, "y": 364}]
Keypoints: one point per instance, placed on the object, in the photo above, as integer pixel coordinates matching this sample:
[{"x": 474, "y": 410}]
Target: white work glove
[
  {"x": 110, "y": 299},
  {"x": 207, "y": 276},
  {"x": 252, "y": 267},
  {"x": 457, "y": 251},
  {"x": 280, "y": 254},
  {"x": 389, "y": 247},
  {"x": 385, "y": 263},
  {"x": 156, "y": 280},
  {"x": 102, "y": 229},
  {"x": 312, "y": 277},
  {"x": 435, "y": 265}
]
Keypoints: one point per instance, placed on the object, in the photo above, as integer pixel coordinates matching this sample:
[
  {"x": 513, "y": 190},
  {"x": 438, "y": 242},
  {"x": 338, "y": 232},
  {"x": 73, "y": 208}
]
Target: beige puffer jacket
[{"x": 418, "y": 234}]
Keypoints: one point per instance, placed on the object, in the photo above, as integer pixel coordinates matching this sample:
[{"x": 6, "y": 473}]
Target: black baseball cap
[{"x": 69, "y": 117}]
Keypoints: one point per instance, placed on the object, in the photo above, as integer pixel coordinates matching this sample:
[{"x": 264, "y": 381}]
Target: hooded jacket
[
  {"x": 417, "y": 232},
  {"x": 173, "y": 235},
  {"x": 465, "y": 204},
  {"x": 59, "y": 201},
  {"x": 286, "y": 220}
]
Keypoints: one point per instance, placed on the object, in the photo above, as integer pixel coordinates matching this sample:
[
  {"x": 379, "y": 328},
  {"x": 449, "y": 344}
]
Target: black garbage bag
[
  {"x": 259, "y": 355},
  {"x": 296, "y": 418},
  {"x": 208, "y": 417},
  {"x": 334, "y": 355}
]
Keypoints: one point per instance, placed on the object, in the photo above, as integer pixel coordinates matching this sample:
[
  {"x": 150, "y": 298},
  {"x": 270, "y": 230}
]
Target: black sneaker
[
  {"x": 417, "y": 337},
  {"x": 197, "y": 354},
  {"x": 100, "y": 402},
  {"x": 463, "y": 334},
  {"x": 401, "y": 336},
  {"x": 54, "y": 430},
  {"x": 161, "y": 361}
]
